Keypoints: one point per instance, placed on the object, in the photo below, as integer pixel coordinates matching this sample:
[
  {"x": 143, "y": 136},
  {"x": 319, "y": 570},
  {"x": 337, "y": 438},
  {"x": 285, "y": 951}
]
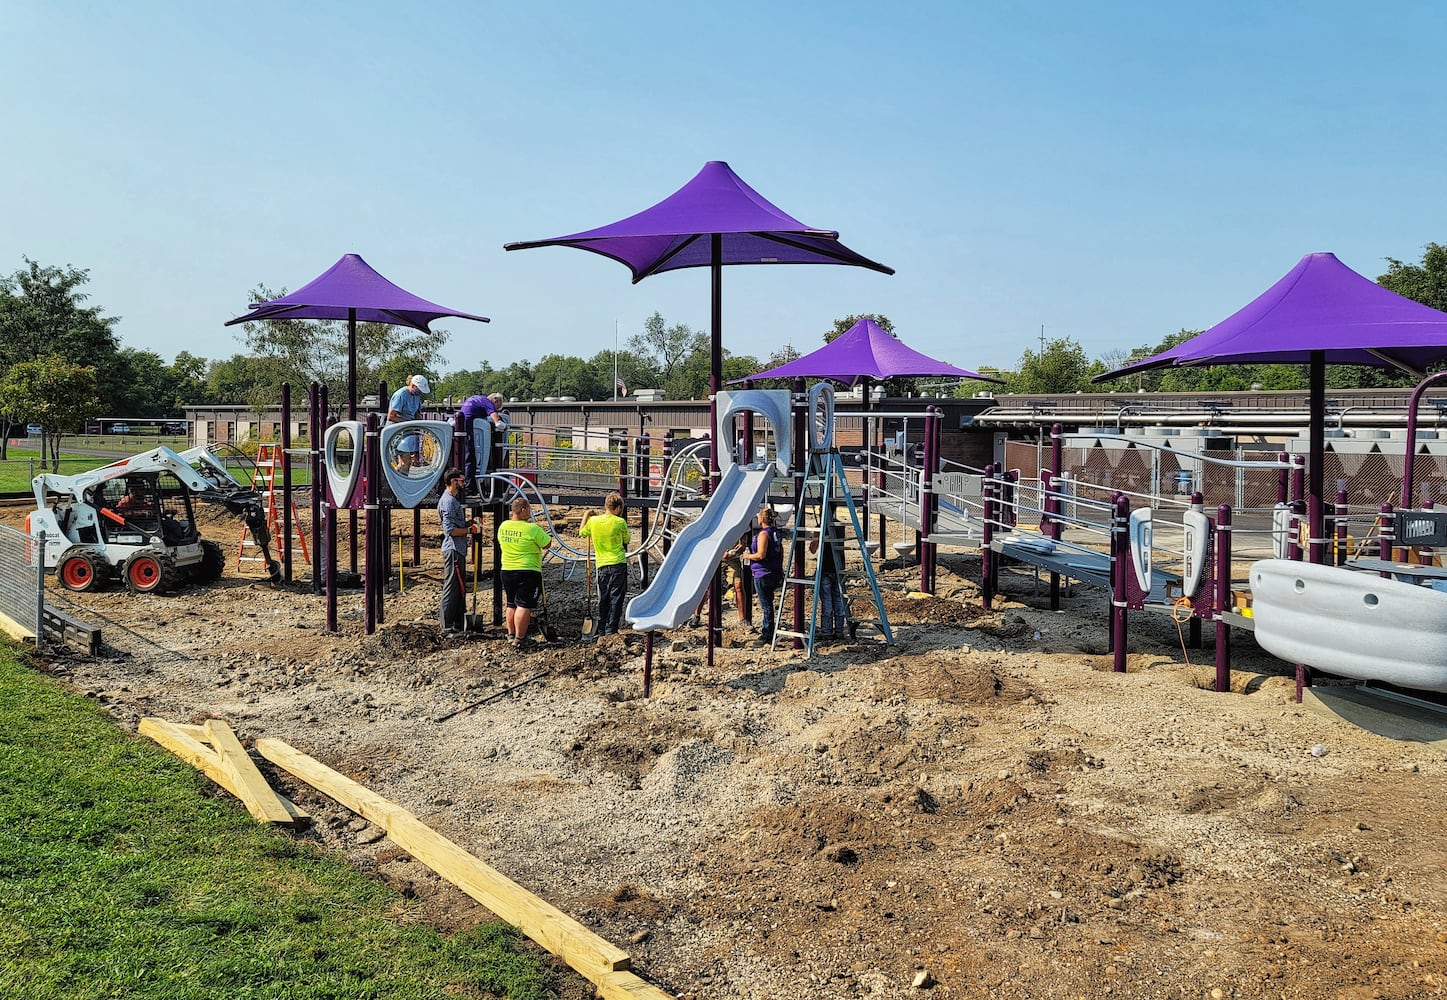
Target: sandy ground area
[{"x": 980, "y": 809}]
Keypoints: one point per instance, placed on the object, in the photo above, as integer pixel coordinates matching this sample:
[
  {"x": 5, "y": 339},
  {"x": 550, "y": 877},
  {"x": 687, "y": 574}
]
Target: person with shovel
[
  {"x": 608, "y": 534},
  {"x": 522, "y": 543},
  {"x": 457, "y": 532}
]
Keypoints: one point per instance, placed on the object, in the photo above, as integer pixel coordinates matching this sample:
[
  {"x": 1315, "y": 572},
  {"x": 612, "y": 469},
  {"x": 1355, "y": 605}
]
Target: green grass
[
  {"x": 23, "y": 464},
  {"x": 119, "y": 878}
]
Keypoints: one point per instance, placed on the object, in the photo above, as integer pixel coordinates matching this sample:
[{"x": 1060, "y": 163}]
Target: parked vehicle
[
  {"x": 120, "y": 428},
  {"x": 173, "y": 427},
  {"x": 33, "y": 430}
]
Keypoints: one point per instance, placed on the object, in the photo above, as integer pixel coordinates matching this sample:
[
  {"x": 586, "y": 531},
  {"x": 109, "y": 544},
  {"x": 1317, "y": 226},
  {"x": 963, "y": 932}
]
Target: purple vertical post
[
  {"x": 621, "y": 443},
  {"x": 1223, "y": 597},
  {"x": 370, "y": 567},
  {"x": 1120, "y": 534},
  {"x": 314, "y": 441},
  {"x": 1339, "y": 528},
  {"x": 286, "y": 481},
  {"x": 928, "y": 502},
  {"x": 799, "y": 456},
  {"x": 987, "y": 535},
  {"x": 1281, "y": 474},
  {"x": 1298, "y": 478},
  {"x": 1386, "y": 546}
]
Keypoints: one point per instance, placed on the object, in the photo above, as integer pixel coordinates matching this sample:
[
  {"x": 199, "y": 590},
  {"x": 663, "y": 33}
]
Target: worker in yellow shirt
[
  {"x": 609, "y": 532},
  {"x": 522, "y": 543}
]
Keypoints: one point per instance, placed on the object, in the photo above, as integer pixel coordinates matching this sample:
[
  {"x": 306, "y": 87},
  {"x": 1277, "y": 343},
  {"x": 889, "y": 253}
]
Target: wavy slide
[{"x": 684, "y": 575}]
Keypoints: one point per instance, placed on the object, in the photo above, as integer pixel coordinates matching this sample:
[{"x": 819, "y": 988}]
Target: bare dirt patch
[{"x": 983, "y": 802}]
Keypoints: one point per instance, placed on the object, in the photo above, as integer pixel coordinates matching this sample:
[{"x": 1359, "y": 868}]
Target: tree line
[{"x": 62, "y": 362}]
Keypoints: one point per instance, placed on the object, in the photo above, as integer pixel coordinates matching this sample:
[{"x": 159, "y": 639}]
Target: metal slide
[{"x": 684, "y": 576}]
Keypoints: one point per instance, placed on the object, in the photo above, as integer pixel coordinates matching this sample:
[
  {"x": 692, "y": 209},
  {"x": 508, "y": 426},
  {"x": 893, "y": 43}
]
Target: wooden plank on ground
[
  {"x": 594, "y": 958},
  {"x": 15, "y": 630},
  {"x": 174, "y": 738},
  {"x": 248, "y": 783}
]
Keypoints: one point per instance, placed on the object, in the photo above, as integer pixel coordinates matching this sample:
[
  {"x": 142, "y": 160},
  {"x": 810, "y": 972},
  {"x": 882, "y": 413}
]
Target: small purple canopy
[
  {"x": 350, "y": 289},
  {"x": 676, "y": 232},
  {"x": 865, "y": 350},
  {"x": 1320, "y": 306}
]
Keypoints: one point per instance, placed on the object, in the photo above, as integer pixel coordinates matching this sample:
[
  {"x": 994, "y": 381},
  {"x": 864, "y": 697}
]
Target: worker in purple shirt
[{"x": 471, "y": 409}]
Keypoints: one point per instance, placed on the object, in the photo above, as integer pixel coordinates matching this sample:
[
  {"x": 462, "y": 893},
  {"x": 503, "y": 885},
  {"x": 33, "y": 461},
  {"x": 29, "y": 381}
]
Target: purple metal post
[
  {"x": 286, "y": 481},
  {"x": 314, "y": 443},
  {"x": 1281, "y": 489},
  {"x": 799, "y": 457},
  {"x": 928, "y": 502},
  {"x": 1339, "y": 528},
  {"x": 987, "y": 534},
  {"x": 1409, "y": 501},
  {"x": 1223, "y": 597},
  {"x": 1119, "y": 530},
  {"x": 1387, "y": 536},
  {"x": 370, "y": 468}
]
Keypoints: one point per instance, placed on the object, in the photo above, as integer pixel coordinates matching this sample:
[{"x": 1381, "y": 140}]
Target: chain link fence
[{"x": 20, "y": 585}]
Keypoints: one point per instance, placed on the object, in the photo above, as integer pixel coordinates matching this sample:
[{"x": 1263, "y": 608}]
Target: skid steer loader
[{"x": 134, "y": 519}]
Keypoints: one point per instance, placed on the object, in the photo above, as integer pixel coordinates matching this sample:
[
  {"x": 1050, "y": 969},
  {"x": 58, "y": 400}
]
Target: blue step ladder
[{"x": 824, "y": 487}]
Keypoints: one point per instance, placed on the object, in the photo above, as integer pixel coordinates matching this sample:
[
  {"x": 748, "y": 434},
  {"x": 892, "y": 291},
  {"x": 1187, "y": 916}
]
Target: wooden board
[
  {"x": 174, "y": 738},
  {"x": 248, "y": 784},
  {"x": 597, "y": 960}
]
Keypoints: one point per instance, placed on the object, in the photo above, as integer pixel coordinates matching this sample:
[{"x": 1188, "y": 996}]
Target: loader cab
[{"x": 142, "y": 505}]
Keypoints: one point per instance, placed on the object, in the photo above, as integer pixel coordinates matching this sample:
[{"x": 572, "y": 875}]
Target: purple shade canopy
[
  {"x": 675, "y": 233},
  {"x": 350, "y": 289},
  {"x": 1321, "y": 305},
  {"x": 865, "y": 350}
]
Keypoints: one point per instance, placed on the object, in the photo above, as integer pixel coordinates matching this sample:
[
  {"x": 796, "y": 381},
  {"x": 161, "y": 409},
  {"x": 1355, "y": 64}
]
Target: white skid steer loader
[{"x": 134, "y": 519}]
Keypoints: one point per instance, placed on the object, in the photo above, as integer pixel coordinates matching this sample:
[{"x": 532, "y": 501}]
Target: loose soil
[{"x": 981, "y": 808}]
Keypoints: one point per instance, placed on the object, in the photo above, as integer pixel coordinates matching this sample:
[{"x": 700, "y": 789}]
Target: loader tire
[
  {"x": 149, "y": 572},
  {"x": 80, "y": 570},
  {"x": 212, "y": 564}
]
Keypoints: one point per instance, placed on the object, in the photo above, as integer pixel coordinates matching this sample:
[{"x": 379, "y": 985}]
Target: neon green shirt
[
  {"x": 522, "y": 544},
  {"x": 610, "y": 538}
]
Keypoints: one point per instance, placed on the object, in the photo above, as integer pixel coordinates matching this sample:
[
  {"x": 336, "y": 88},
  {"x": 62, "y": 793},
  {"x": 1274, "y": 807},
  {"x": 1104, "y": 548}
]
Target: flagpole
[{"x": 615, "y": 361}]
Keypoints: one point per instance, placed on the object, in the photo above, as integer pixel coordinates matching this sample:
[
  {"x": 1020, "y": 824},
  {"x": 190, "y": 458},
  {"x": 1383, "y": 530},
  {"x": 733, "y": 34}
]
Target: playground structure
[{"x": 1096, "y": 520}]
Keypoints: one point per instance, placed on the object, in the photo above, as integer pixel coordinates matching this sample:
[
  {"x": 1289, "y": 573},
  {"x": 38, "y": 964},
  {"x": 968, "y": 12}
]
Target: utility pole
[{"x": 1042, "y": 338}]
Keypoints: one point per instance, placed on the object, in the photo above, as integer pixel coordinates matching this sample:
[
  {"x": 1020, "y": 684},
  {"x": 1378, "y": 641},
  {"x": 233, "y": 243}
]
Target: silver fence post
[{"x": 40, "y": 594}]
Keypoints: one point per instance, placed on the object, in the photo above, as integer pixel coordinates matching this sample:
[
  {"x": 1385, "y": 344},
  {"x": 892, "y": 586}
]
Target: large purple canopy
[
  {"x": 350, "y": 289},
  {"x": 1321, "y": 311},
  {"x": 1320, "y": 306},
  {"x": 676, "y": 232},
  {"x": 865, "y": 350}
]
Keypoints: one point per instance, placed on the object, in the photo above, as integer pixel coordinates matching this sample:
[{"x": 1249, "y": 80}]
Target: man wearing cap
[{"x": 405, "y": 404}]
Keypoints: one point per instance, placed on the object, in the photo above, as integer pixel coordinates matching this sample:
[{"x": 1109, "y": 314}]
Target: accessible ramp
[{"x": 684, "y": 576}]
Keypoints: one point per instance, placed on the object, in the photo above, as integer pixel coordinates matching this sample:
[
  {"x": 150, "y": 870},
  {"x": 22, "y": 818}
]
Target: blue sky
[{"x": 1113, "y": 172}]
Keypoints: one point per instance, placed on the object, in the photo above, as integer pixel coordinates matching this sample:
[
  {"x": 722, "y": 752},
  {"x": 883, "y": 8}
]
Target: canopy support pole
[{"x": 1316, "y": 471}]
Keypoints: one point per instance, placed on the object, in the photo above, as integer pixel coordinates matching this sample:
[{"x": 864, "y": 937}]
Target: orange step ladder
[{"x": 269, "y": 458}]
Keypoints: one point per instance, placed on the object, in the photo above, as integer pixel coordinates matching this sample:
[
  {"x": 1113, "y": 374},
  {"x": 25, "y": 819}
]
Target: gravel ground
[{"x": 979, "y": 809}]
